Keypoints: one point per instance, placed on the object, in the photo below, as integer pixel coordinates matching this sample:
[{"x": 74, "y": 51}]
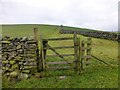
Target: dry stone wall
[
  {"x": 95, "y": 34},
  {"x": 19, "y": 57}
]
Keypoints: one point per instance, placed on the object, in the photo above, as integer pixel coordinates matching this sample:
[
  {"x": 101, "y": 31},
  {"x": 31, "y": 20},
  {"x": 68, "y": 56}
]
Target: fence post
[
  {"x": 78, "y": 41},
  {"x": 36, "y": 34},
  {"x": 37, "y": 50},
  {"x": 41, "y": 54},
  {"x": 44, "y": 52},
  {"x": 76, "y": 52},
  {"x": 88, "y": 51},
  {"x": 82, "y": 53}
]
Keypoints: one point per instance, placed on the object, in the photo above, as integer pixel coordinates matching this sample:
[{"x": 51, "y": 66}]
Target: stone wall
[
  {"x": 95, "y": 34},
  {"x": 19, "y": 57}
]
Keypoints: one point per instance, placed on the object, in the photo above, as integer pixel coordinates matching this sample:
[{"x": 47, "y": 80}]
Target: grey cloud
[{"x": 95, "y": 14}]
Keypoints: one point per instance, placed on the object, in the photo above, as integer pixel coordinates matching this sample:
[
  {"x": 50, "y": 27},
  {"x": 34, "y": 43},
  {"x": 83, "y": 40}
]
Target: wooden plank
[
  {"x": 44, "y": 51},
  {"x": 55, "y": 52},
  {"x": 52, "y": 39},
  {"x": 41, "y": 66},
  {"x": 79, "y": 68},
  {"x": 59, "y": 62},
  {"x": 60, "y": 47},
  {"x": 76, "y": 52},
  {"x": 88, "y": 57},
  {"x": 62, "y": 55},
  {"x": 82, "y": 53},
  {"x": 36, "y": 34},
  {"x": 58, "y": 68}
]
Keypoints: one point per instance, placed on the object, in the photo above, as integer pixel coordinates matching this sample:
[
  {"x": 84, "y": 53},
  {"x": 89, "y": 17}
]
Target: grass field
[{"x": 96, "y": 75}]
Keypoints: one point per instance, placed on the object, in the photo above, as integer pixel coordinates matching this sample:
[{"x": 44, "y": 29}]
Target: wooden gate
[{"x": 79, "y": 53}]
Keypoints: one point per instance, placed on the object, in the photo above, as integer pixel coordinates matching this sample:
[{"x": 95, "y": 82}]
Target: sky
[{"x": 92, "y": 14}]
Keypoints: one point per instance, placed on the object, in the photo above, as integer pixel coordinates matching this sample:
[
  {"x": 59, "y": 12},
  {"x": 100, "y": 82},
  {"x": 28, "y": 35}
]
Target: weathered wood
[
  {"x": 78, "y": 40},
  {"x": 41, "y": 55},
  {"x": 36, "y": 34},
  {"x": 82, "y": 53},
  {"x": 52, "y": 39},
  {"x": 37, "y": 58},
  {"x": 62, "y": 47},
  {"x": 58, "y": 68},
  {"x": 44, "y": 52},
  {"x": 55, "y": 52},
  {"x": 88, "y": 51},
  {"x": 59, "y": 62},
  {"x": 61, "y": 54},
  {"x": 100, "y": 60},
  {"x": 76, "y": 52}
]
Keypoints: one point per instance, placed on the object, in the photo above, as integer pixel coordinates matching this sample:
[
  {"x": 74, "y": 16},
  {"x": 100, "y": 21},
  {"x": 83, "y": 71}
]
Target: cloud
[{"x": 94, "y": 14}]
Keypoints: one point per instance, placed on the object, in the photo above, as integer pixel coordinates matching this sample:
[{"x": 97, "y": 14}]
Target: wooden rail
[
  {"x": 59, "y": 47},
  {"x": 58, "y": 68},
  {"x": 59, "y": 62},
  {"x": 61, "y": 54},
  {"x": 53, "y": 39}
]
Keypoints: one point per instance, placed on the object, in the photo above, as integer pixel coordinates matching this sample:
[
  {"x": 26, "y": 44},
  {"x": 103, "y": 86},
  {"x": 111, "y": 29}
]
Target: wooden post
[
  {"x": 36, "y": 34},
  {"x": 41, "y": 54},
  {"x": 88, "y": 51},
  {"x": 37, "y": 51},
  {"x": 76, "y": 52},
  {"x": 82, "y": 53},
  {"x": 44, "y": 52},
  {"x": 79, "y": 68},
  {"x": 37, "y": 59}
]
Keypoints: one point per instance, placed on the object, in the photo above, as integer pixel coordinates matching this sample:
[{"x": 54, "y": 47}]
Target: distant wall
[
  {"x": 19, "y": 56},
  {"x": 95, "y": 34}
]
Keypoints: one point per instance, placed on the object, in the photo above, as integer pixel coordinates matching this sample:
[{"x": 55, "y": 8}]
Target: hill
[
  {"x": 27, "y": 29},
  {"x": 97, "y": 75}
]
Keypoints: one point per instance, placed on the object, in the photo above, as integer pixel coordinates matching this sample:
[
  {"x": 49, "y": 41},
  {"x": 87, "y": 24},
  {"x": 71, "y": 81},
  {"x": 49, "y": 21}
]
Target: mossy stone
[
  {"x": 12, "y": 62},
  {"x": 14, "y": 74},
  {"x": 23, "y": 76}
]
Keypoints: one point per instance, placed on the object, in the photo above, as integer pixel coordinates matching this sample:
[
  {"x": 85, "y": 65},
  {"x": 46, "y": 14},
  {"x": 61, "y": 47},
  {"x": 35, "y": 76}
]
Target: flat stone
[{"x": 62, "y": 77}]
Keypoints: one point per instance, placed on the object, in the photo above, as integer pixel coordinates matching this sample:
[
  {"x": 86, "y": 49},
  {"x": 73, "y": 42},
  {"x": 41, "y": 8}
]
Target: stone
[
  {"x": 62, "y": 77},
  {"x": 14, "y": 74},
  {"x": 15, "y": 66},
  {"x": 12, "y": 62},
  {"x": 26, "y": 71},
  {"x": 5, "y": 61},
  {"x": 23, "y": 76},
  {"x": 19, "y": 47}
]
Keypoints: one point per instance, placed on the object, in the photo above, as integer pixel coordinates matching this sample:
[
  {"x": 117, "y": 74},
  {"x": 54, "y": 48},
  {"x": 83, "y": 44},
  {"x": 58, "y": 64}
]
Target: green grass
[{"x": 96, "y": 75}]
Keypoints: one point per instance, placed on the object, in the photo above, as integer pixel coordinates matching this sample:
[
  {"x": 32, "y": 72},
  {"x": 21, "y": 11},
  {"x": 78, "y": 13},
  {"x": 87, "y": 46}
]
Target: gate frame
[
  {"x": 45, "y": 46},
  {"x": 79, "y": 51}
]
